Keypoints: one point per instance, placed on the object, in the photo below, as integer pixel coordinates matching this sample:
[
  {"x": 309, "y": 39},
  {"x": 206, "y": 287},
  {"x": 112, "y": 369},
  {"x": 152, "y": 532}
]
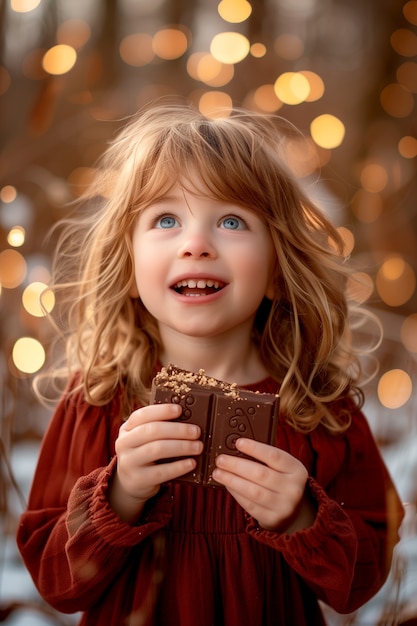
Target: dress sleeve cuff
[
  {"x": 331, "y": 534},
  {"x": 89, "y": 511}
]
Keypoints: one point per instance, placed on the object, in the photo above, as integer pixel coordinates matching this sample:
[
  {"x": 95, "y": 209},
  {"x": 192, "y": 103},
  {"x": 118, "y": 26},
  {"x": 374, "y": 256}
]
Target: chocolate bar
[{"x": 223, "y": 411}]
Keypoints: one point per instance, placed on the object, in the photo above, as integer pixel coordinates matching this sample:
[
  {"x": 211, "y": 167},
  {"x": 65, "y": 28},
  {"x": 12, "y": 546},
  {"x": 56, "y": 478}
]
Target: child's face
[{"x": 202, "y": 266}]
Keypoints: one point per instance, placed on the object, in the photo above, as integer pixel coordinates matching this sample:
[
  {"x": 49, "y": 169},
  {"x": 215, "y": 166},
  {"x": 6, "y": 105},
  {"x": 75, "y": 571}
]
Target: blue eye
[
  {"x": 167, "y": 221},
  {"x": 233, "y": 223}
]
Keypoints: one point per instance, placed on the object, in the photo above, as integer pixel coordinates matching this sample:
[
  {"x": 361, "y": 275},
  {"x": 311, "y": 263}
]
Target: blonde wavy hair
[{"x": 304, "y": 334}]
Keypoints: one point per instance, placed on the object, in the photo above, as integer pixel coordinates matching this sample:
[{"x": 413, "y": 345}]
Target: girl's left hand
[{"x": 271, "y": 488}]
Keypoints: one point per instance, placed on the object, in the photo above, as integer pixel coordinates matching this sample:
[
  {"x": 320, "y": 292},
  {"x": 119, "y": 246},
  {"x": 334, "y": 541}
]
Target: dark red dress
[{"x": 196, "y": 557}]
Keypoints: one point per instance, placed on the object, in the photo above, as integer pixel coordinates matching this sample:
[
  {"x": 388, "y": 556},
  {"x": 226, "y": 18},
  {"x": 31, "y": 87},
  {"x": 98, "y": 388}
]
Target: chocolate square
[{"x": 223, "y": 411}]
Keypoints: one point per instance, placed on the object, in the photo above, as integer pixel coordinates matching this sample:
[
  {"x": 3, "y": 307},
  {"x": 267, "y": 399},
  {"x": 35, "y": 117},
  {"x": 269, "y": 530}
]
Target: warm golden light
[
  {"x": 266, "y": 99},
  {"x": 16, "y": 236},
  {"x": 212, "y": 72},
  {"x": 374, "y": 177},
  {"x": 169, "y": 43},
  {"x": 8, "y": 194},
  {"x": 59, "y": 59},
  {"x": 28, "y": 355},
  {"x": 24, "y": 6},
  {"x": 215, "y": 104},
  {"x": 234, "y": 11},
  {"x": 348, "y": 239},
  {"x": 74, "y": 33},
  {"x": 316, "y": 85},
  {"x": 292, "y": 88},
  {"x": 410, "y": 11},
  {"x": 258, "y": 50},
  {"x": 136, "y": 49},
  {"x": 229, "y": 47},
  {"x": 359, "y": 287},
  {"x": 367, "y": 206},
  {"x": 13, "y": 268},
  {"x": 395, "y": 281},
  {"x": 407, "y": 75},
  {"x": 397, "y": 100},
  {"x": 327, "y": 131},
  {"x": 409, "y": 332},
  {"x": 37, "y": 299},
  {"x": 407, "y": 147},
  {"x": 394, "y": 388},
  {"x": 404, "y": 42},
  {"x": 301, "y": 156}
]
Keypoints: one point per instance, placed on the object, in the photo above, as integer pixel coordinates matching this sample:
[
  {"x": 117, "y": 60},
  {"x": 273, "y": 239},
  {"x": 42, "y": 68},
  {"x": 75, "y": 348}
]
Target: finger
[
  {"x": 164, "y": 472},
  {"x": 154, "y": 431},
  {"x": 167, "y": 449},
  {"x": 151, "y": 413},
  {"x": 247, "y": 483},
  {"x": 273, "y": 457}
]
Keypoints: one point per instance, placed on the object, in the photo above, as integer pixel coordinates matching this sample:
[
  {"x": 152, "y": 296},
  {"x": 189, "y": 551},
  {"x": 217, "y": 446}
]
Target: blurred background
[{"x": 343, "y": 71}]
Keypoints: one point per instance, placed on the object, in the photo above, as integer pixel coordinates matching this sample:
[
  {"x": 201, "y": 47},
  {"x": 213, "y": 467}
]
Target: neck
[{"x": 230, "y": 361}]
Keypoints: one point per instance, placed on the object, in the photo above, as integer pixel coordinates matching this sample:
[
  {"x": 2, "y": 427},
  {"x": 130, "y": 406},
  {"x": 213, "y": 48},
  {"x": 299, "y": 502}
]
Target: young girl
[{"x": 199, "y": 249}]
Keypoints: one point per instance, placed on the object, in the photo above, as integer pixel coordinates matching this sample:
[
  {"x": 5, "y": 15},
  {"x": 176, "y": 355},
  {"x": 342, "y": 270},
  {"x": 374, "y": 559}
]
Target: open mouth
[{"x": 198, "y": 287}]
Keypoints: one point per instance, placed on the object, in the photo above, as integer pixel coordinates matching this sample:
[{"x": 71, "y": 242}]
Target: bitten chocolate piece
[{"x": 223, "y": 411}]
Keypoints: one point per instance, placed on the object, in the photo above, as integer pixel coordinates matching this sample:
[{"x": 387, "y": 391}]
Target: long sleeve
[
  {"x": 72, "y": 542},
  {"x": 346, "y": 555}
]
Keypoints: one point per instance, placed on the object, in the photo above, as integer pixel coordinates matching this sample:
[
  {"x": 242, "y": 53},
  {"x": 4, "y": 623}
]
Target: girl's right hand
[{"x": 148, "y": 436}]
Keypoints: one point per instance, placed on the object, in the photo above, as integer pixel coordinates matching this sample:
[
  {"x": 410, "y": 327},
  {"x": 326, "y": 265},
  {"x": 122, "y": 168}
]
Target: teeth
[{"x": 199, "y": 284}]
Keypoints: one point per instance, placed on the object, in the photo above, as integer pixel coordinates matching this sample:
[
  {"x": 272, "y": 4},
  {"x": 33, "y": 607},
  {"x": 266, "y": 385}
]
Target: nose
[{"x": 197, "y": 244}]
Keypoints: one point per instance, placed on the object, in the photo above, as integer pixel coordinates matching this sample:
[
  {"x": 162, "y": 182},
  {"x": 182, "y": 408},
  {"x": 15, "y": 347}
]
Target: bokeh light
[
  {"x": 359, "y": 287},
  {"x": 266, "y": 99},
  {"x": 258, "y": 50},
  {"x": 13, "y": 268},
  {"x": 327, "y": 131},
  {"x": 374, "y": 177},
  {"x": 169, "y": 43},
  {"x": 410, "y": 11},
  {"x": 59, "y": 59},
  {"x": 316, "y": 84},
  {"x": 407, "y": 147},
  {"x": 394, "y": 388},
  {"x": 24, "y": 6},
  {"x": 28, "y": 355},
  {"x": 292, "y": 88},
  {"x": 215, "y": 104},
  {"x": 8, "y": 194},
  {"x": 234, "y": 11},
  {"x": 409, "y": 332},
  {"x": 137, "y": 49},
  {"x": 16, "y": 236},
  {"x": 229, "y": 47},
  {"x": 367, "y": 206},
  {"x": 38, "y": 299},
  {"x": 397, "y": 100},
  {"x": 204, "y": 67},
  {"x": 395, "y": 281},
  {"x": 347, "y": 238},
  {"x": 404, "y": 42},
  {"x": 407, "y": 75}
]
